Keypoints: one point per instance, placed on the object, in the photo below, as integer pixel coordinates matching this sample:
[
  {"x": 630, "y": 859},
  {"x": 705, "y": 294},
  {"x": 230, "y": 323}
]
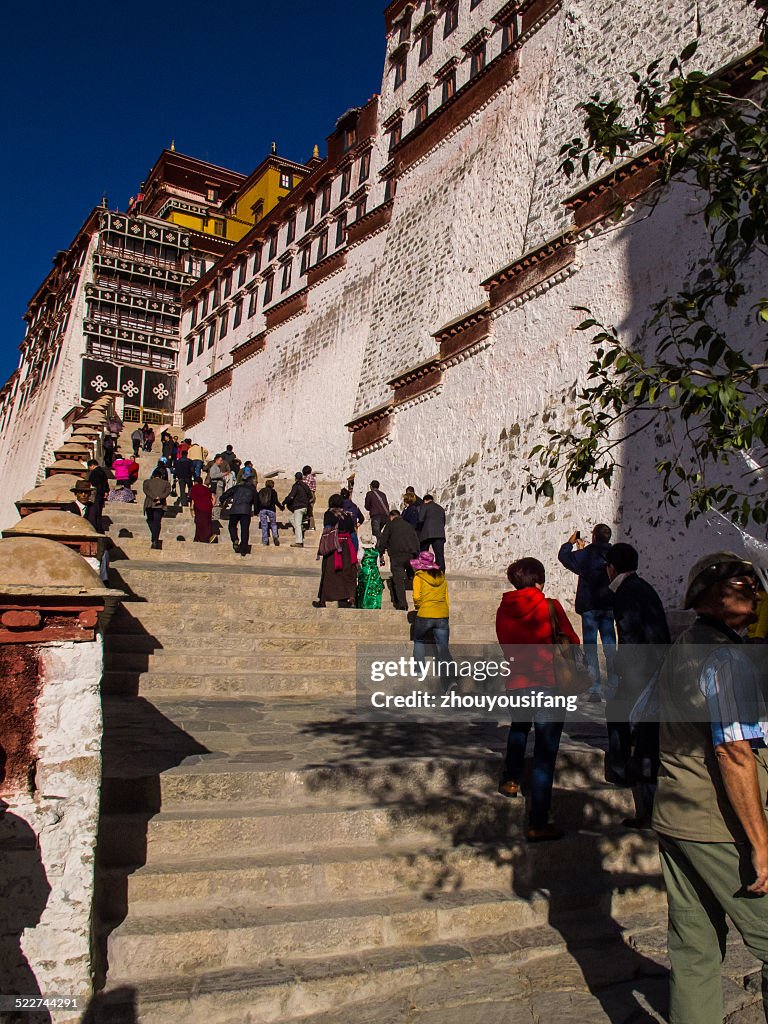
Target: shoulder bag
[{"x": 572, "y": 675}]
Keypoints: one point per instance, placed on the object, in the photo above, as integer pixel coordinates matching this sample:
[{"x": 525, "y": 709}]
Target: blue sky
[{"x": 92, "y": 92}]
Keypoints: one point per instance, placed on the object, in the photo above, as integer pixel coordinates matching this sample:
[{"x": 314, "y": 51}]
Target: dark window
[
  {"x": 346, "y": 180},
  {"x": 212, "y": 194},
  {"x": 341, "y": 230},
  {"x": 350, "y": 138},
  {"x": 268, "y": 286},
  {"x": 508, "y": 34},
  {"x": 257, "y": 259},
  {"x": 211, "y": 337},
  {"x": 193, "y": 322},
  {"x": 227, "y": 284},
  {"x": 422, "y": 111},
  {"x": 238, "y": 317},
  {"x": 405, "y": 29},
  {"x": 395, "y": 134},
  {"x": 224, "y": 325},
  {"x": 451, "y": 19},
  {"x": 310, "y": 213},
  {"x": 322, "y": 246},
  {"x": 241, "y": 274},
  {"x": 326, "y": 204},
  {"x": 190, "y": 350},
  {"x": 291, "y": 233},
  {"x": 449, "y": 86},
  {"x": 273, "y": 245},
  {"x": 304, "y": 260},
  {"x": 286, "y": 180},
  {"x": 425, "y": 47},
  {"x": 254, "y": 301},
  {"x": 215, "y": 295},
  {"x": 401, "y": 71},
  {"x": 286, "y": 283},
  {"x": 361, "y": 208},
  {"x": 365, "y": 166},
  {"x": 477, "y": 62},
  {"x": 200, "y": 341},
  {"x": 204, "y": 305},
  {"x": 391, "y": 188},
  {"x": 219, "y": 228}
]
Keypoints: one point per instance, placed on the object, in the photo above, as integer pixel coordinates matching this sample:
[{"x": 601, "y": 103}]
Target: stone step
[
  {"x": 202, "y": 830},
  {"x": 194, "y": 613},
  {"x": 521, "y": 977},
  {"x": 276, "y": 633},
  {"x": 254, "y": 683},
  {"x": 207, "y": 660},
  {"x": 127, "y": 839},
  {"x": 329, "y": 874},
  {"x": 218, "y": 938}
]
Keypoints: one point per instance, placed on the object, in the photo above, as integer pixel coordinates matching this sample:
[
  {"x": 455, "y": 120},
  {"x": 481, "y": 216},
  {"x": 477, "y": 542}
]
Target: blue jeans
[
  {"x": 440, "y": 631},
  {"x": 268, "y": 521},
  {"x": 546, "y": 744},
  {"x": 197, "y": 468},
  {"x": 593, "y": 623}
]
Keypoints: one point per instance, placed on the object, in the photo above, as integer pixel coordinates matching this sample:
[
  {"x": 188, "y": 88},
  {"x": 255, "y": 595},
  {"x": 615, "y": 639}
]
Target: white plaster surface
[{"x": 63, "y": 814}]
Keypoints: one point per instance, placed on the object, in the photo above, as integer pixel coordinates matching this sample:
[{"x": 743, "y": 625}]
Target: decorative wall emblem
[
  {"x": 130, "y": 388},
  {"x": 99, "y": 384},
  {"x": 161, "y": 391}
]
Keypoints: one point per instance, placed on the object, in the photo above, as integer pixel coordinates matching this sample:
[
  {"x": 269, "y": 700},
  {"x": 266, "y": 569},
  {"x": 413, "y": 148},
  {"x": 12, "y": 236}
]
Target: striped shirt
[{"x": 737, "y": 706}]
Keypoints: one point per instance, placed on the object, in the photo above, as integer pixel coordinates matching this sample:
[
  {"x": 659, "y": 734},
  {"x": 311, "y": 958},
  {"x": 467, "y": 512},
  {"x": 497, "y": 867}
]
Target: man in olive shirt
[{"x": 710, "y": 808}]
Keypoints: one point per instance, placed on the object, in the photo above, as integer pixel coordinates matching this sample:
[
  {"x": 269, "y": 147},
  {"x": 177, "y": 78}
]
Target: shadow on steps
[{"x": 139, "y": 744}]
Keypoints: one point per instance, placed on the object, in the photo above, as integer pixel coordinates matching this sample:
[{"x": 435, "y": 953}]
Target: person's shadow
[{"x": 24, "y": 892}]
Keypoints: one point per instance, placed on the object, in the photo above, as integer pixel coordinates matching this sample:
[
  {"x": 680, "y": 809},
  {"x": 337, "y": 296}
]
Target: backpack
[{"x": 265, "y": 497}]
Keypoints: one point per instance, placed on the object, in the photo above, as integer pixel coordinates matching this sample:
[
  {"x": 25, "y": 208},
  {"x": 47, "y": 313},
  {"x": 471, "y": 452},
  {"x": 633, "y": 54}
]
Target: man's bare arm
[{"x": 739, "y": 773}]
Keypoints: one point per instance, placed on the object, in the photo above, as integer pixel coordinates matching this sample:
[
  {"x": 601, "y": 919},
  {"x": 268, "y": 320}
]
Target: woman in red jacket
[{"x": 523, "y": 617}]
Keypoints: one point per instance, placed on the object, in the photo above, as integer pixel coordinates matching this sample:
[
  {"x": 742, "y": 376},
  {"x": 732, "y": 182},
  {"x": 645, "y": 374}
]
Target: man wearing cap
[{"x": 710, "y": 807}]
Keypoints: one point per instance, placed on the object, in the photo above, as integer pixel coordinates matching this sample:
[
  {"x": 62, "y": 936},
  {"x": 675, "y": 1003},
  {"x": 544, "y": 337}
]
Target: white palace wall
[
  {"x": 467, "y": 441},
  {"x": 34, "y": 427}
]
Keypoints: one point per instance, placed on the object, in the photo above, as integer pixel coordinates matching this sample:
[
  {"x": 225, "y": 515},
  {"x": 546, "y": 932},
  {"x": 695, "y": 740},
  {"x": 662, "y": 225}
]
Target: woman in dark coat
[{"x": 338, "y": 576}]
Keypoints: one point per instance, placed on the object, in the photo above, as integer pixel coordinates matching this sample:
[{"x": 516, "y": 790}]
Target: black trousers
[
  {"x": 184, "y": 489},
  {"x": 154, "y": 522},
  {"x": 438, "y": 546},
  {"x": 136, "y": 446},
  {"x": 244, "y": 519},
  {"x": 399, "y": 566}
]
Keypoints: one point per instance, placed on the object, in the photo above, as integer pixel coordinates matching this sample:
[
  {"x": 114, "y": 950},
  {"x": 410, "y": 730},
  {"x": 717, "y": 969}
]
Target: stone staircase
[{"x": 266, "y": 857}]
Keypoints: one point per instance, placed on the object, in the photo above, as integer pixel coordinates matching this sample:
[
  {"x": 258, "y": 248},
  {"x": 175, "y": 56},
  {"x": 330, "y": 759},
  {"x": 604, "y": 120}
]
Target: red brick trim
[
  {"x": 193, "y": 413},
  {"x": 41, "y": 620},
  {"x": 286, "y": 309},
  {"x": 450, "y": 115},
  {"x": 372, "y": 222},
  {"x": 249, "y": 348},
  {"x": 531, "y": 270},
  {"x": 534, "y": 12},
  {"x": 82, "y": 473},
  {"x": 462, "y": 334},
  {"x": 506, "y": 13},
  {"x": 326, "y": 267},
  {"x": 218, "y": 381},
  {"x": 371, "y": 427},
  {"x": 417, "y": 381},
  {"x": 605, "y": 195}
]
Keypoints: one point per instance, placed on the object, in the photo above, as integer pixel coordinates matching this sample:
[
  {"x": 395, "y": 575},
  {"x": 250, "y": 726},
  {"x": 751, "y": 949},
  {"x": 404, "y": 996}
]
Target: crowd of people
[{"x": 697, "y": 763}]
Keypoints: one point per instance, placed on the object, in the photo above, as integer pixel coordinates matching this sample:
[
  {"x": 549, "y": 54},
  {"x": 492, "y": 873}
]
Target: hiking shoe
[
  {"x": 510, "y": 789},
  {"x": 297, "y": 545},
  {"x": 543, "y": 835},
  {"x": 276, "y": 542}
]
